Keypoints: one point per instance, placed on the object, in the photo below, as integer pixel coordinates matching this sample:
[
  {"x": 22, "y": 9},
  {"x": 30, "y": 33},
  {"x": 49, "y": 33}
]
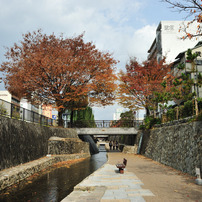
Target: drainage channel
[{"x": 57, "y": 184}]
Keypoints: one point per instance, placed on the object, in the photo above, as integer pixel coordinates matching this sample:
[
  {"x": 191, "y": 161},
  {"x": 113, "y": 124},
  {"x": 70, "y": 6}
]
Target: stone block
[
  {"x": 58, "y": 145},
  {"x": 130, "y": 149}
]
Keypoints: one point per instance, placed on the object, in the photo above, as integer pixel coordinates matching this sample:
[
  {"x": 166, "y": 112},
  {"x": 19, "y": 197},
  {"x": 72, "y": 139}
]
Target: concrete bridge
[
  {"x": 105, "y": 132},
  {"x": 105, "y": 128}
]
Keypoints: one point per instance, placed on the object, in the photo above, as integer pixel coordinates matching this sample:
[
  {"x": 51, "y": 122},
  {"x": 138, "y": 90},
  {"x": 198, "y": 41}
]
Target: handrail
[
  {"x": 105, "y": 123},
  {"x": 15, "y": 111}
]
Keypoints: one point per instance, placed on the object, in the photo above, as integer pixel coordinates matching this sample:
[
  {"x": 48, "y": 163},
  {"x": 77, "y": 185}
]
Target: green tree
[
  {"x": 185, "y": 86},
  {"x": 84, "y": 118}
]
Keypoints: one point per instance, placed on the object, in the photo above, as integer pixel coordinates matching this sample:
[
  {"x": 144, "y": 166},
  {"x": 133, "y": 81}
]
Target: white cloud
[
  {"x": 142, "y": 40},
  {"x": 110, "y": 24}
]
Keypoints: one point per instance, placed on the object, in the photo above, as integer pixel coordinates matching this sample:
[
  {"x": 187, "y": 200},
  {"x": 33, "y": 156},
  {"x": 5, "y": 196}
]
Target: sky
[{"x": 125, "y": 28}]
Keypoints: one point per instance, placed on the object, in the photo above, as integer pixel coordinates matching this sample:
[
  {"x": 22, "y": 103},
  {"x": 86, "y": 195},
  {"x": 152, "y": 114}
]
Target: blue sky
[{"x": 125, "y": 28}]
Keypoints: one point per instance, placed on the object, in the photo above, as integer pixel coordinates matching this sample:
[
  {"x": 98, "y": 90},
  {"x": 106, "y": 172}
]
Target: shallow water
[{"x": 57, "y": 184}]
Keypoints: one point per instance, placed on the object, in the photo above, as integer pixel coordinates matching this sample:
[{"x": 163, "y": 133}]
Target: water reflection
[{"x": 56, "y": 185}]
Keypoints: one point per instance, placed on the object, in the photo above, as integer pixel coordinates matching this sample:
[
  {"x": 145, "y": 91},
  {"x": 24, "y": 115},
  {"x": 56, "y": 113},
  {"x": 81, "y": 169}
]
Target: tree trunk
[
  {"x": 60, "y": 120},
  {"x": 147, "y": 111},
  {"x": 177, "y": 113},
  {"x": 196, "y": 106}
]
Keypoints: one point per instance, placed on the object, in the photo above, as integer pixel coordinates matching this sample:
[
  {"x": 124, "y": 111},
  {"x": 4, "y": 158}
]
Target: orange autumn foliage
[
  {"x": 191, "y": 8},
  {"x": 139, "y": 82},
  {"x": 67, "y": 72}
]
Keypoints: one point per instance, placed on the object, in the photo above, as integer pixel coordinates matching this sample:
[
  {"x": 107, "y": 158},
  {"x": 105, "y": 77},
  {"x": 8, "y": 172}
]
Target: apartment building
[{"x": 168, "y": 41}]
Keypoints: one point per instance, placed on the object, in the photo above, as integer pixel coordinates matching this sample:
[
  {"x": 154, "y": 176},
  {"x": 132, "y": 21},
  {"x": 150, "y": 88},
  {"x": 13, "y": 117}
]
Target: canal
[{"x": 57, "y": 184}]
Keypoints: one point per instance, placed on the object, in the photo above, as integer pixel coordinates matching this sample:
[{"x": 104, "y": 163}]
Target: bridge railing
[{"x": 106, "y": 123}]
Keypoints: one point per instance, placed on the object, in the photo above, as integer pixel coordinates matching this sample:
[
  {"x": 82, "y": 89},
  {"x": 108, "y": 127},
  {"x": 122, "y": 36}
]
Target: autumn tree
[
  {"x": 140, "y": 81},
  {"x": 66, "y": 72},
  {"x": 191, "y": 8}
]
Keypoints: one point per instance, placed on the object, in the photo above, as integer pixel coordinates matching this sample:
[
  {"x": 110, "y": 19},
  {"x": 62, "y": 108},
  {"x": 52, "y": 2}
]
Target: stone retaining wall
[
  {"x": 21, "y": 142},
  {"x": 178, "y": 146},
  {"x": 123, "y": 139},
  {"x": 58, "y": 145}
]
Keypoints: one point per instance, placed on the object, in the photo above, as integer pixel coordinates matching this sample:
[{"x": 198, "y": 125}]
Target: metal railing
[
  {"x": 14, "y": 111},
  {"x": 105, "y": 123}
]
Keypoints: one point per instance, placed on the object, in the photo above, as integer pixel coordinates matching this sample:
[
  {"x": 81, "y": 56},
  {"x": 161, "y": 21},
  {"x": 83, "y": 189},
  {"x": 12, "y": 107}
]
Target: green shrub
[
  {"x": 199, "y": 117},
  {"x": 188, "y": 109},
  {"x": 142, "y": 127},
  {"x": 3, "y": 110},
  {"x": 200, "y": 104},
  {"x": 151, "y": 121},
  {"x": 171, "y": 114}
]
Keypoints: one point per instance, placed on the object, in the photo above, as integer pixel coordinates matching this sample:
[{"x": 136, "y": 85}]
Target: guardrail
[
  {"x": 14, "y": 111},
  {"x": 105, "y": 123}
]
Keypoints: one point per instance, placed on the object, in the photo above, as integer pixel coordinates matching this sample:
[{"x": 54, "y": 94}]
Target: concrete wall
[
  {"x": 178, "y": 146},
  {"x": 22, "y": 142}
]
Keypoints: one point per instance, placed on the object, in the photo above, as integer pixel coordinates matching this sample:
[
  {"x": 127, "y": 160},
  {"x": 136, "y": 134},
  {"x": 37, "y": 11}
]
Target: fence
[
  {"x": 105, "y": 123},
  {"x": 14, "y": 111}
]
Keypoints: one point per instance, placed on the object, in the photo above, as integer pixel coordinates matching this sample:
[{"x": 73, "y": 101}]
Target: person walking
[
  {"x": 114, "y": 145},
  {"x": 117, "y": 145},
  {"x": 110, "y": 145}
]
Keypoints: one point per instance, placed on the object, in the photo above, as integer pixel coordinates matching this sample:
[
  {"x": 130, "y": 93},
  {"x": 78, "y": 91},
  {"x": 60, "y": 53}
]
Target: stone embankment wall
[
  {"x": 21, "y": 142},
  {"x": 178, "y": 146},
  {"x": 58, "y": 145},
  {"x": 19, "y": 173},
  {"x": 123, "y": 139}
]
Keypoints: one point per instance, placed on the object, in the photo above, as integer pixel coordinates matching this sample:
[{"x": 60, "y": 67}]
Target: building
[
  {"x": 6, "y": 96},
  {"x": 192, "y": 68},
  {"x": 169, "y": 43},
  {"x": 9, "y": 99},
  {"x": 47, "y": 111},
  {"x": 168, "y": 40},
  {"x": 117, "y": 114}
]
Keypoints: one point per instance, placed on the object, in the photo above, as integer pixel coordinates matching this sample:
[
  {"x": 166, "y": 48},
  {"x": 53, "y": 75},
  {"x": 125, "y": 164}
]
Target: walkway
[{"x": 143, "y": 180}]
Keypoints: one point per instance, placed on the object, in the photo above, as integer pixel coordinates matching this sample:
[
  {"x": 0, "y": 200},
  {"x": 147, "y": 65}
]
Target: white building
[
  {"x": 117, "y": 114},
  {"x": 9, "y": 99},
  {"x": 5, "y": 101},
  {"x": 169, "y": 42},
  {"x": 194, "y": 68}
]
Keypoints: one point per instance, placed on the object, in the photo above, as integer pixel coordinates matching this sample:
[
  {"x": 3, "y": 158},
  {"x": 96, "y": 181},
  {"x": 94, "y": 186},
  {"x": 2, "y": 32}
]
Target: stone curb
[{"x": 18, "y": 173}]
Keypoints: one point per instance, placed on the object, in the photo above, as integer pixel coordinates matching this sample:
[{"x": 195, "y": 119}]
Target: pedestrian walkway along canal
[
  {"x": 107, "y": 184},
  {"x": 57, "y": 184}
]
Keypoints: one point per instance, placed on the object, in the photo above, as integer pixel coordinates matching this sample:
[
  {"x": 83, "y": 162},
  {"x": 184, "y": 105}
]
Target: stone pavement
[
  {"x": 143, "y": 180},
  {"x": 107, "y": 184}
]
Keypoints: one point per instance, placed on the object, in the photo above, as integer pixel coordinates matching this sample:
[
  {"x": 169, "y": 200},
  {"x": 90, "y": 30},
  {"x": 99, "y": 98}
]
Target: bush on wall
[
  {"x": 188, "y": 109},
  {"x": 171, "y": 114}
]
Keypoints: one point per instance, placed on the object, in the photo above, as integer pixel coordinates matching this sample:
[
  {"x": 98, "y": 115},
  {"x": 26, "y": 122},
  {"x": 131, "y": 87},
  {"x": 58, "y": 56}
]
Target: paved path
[{"x": 143, "y": 180}]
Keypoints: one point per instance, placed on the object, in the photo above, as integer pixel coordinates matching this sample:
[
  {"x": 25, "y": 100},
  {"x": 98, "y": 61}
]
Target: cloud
[
  {"x": 142, "y": 40},
  {"x": 110, "y": 24}
]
